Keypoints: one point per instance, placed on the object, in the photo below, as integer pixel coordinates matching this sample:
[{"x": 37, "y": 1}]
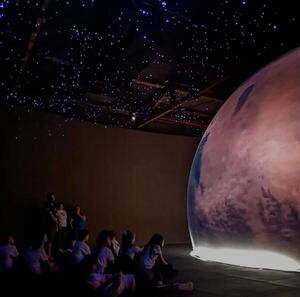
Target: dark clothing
[
  {"x": 49, "y": 224},
  {"x": 78, "y": 225},
  {"x": 63, "y": 238},
  {"x": 50, "y": 208}
]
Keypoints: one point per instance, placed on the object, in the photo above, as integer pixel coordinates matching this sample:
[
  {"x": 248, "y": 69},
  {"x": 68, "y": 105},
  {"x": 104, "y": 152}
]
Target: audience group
[{"x": 110, "y": 268}]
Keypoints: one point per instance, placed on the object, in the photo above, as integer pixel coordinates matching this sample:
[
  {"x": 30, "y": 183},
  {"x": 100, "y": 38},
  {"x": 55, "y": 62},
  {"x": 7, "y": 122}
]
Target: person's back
[
  {"x": 34, "y": 259},
  {"x": 108, "y": 284},
  {"x": 150, "y": 273},
  {"x": 8, "y": 253},
  {"x": 81, "y": 248},
  {"x": 104, "y": 257},
  {"x": 79, "y": 252},
  {"x": 149, "y": 256}
]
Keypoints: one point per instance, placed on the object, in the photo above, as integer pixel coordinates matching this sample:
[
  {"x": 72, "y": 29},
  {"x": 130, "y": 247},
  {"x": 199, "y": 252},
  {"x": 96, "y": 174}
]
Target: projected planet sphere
[{"x": 244, "y": 185}]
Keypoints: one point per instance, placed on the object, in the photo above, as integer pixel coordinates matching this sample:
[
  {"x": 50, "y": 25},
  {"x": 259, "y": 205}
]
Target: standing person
[
  {"x": 62, "y": 218},
  {"x": 8, "y": 253},
  {"x": 81, "y": 249},
  {"x": 51, "y": 222},
  {"x": 149, "y": 269},
  {"x": 78, "y": 223}
]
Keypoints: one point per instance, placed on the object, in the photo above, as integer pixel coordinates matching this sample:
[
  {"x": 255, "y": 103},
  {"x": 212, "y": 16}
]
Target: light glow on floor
[{"x": 247, "y": 258}]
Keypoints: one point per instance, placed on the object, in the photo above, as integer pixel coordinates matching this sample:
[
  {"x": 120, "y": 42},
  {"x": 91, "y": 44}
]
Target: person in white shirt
[
  {"x": 36, "y": 258},
  {"x": 8, "y": 254},
  {"x": 128, "y": 259},
  {"x": 81, "y": 249},
  {"x": 108, "y": 284},
  {"x": 149, "y": 269},
  {"x": 105, "y": 257},
  {"x": 62, "y": 219}
]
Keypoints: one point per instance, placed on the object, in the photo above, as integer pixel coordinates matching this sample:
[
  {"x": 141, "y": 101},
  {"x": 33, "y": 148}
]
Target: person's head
[
  {"x": 156, "y": 239},
  {"x": 112, "y": 235},
  {"x": 61, "y": 206},
  {"x": 83, "y": 235},
  {"x": 128, "y": 238},
  {"x": 103, "y": 239},
  {"x": 51, "y": 197},
  {"x": 7, "y": 238}
]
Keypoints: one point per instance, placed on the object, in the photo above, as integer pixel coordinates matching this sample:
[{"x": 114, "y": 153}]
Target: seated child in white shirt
[
  {"x": 127, "y": 259},
  {"x": 108, "y": 284},
  {"x": 150, "y": 272},
  {"x": 81, "y": 250},
  {"x": 36, "y": 258},
  {"x": 8, "y": 253},
  {"x": 105, "y": 257},
  {"x": 115, "y": 245}
]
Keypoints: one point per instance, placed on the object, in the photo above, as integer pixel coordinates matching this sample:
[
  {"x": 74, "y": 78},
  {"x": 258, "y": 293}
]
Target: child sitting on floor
[
  {"x": 105, "y": 257},
  {"x": 36, "y": 258},
  {"x": 8, "y": 253},
  {"x": 81, "y": 249},
  {"x": 108, "y": 284},
  {"x": 150, "y": 271},
  {"x": 77, "y": 223},
  {"x": 128, "y": 252},
  {"x": 115, "y": 246}
]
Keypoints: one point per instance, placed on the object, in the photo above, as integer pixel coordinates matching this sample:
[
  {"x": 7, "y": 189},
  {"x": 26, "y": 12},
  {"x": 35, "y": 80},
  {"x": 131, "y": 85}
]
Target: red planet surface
[{"x": 244, "y": 185}]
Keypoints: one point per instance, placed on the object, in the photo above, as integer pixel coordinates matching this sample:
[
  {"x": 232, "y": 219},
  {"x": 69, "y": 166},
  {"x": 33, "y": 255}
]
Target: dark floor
[{"x": 214, "y": 279}]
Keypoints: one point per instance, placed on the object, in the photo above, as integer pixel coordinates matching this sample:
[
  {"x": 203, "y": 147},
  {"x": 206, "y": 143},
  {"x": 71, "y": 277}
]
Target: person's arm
[
  {"x": 83, "y": 217},
  {"x": 162, "y": 259},
  {"x": 53, "y": 217},
  {"x": 86, "y": 250},
  {"x": 71, "y": 223}
]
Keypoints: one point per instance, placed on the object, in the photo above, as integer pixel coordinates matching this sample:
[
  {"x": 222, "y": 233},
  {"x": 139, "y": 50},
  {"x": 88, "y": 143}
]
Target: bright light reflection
[{"x": 247, "y": 258}]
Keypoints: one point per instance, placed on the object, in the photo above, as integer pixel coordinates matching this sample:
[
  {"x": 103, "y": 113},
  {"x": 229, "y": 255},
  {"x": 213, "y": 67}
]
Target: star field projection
[{"x": 53, "y": 53}]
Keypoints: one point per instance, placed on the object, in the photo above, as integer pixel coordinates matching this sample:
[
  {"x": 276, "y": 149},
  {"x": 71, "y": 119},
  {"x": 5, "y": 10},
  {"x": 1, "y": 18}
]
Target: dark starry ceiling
[{"x": 163, "y": 66}]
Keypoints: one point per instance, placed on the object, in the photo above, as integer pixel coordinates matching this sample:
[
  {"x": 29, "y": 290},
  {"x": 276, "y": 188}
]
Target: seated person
[
  {"x": 128, "y": 252},
  {"x": 8, "y": 253},
  {"x": 81, "y": 249},
  {"x": 105, "y": 257},
  {"x": 36, "y": 258},
  {"x": 108, "y": 284},
  {"x": 151, "y": 266}
]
